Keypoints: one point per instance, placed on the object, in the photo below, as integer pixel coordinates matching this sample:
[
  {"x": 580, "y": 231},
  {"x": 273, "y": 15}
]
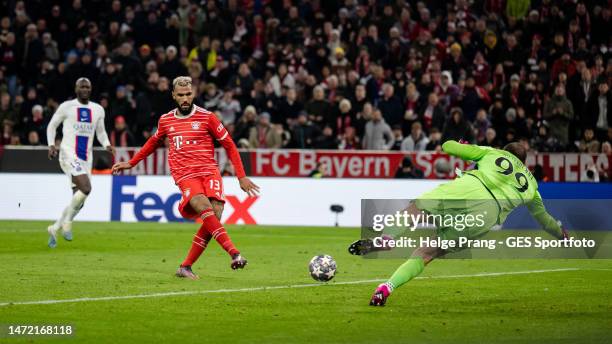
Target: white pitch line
[{"x": 238, "y": 290}]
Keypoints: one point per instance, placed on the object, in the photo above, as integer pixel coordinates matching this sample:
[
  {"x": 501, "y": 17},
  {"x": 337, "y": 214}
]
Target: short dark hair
[{"x": 517, "y": 149}]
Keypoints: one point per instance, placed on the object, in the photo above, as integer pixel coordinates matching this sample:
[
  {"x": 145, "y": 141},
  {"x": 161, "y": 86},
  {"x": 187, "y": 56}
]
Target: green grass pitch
[{"x": 570, "y": 305}]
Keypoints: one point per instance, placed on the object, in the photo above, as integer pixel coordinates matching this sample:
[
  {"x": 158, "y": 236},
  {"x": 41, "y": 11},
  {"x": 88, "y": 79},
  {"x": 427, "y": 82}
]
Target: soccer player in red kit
[{"x": 190, "y": 131}]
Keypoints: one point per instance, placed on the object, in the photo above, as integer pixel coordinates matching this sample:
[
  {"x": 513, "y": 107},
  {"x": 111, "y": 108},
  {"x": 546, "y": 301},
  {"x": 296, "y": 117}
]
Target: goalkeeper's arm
[
  {"x": 548, "y": 223},
  {"x": 464, "y": 151}
]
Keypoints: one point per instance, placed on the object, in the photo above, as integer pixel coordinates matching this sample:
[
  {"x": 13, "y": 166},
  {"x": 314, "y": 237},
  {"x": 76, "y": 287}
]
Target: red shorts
[{"x": 210, "y": 186}]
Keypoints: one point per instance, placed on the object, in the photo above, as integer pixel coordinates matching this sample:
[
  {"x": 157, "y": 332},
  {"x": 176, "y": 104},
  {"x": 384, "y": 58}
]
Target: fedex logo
[{"x": 149, "y": 206}]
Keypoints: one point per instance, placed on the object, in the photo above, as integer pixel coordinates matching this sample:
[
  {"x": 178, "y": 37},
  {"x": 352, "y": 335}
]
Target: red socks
[
  {"x": 211, "y": 228},
  {"x": 215, "y": 228},
  {"x": 200, "y": 241}
]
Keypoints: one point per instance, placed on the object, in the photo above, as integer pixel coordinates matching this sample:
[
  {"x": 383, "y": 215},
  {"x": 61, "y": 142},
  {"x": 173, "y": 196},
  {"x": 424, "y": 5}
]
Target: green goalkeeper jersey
[{"x": 507, "y": 179}]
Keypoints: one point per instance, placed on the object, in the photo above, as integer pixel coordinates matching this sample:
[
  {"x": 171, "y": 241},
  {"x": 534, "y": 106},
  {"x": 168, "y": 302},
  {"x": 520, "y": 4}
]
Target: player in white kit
[{"x": 81, "y": 118}]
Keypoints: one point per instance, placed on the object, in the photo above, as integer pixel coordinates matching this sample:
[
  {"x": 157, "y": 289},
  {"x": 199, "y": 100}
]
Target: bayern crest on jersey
[{"x": 195, "y": 125}]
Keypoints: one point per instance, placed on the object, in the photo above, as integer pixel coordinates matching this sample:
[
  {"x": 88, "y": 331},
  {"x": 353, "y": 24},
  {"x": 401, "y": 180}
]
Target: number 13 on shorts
[{"x": 214, "y": 187}]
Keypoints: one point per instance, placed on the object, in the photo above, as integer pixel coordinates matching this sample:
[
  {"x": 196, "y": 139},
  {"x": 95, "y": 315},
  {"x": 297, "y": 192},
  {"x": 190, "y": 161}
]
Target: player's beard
[{"x": 185, "y": 112}]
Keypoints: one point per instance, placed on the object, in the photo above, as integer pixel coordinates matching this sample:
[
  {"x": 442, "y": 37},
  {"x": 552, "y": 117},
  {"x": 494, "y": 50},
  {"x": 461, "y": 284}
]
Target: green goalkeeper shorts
[{"x": 463, "y": 207}]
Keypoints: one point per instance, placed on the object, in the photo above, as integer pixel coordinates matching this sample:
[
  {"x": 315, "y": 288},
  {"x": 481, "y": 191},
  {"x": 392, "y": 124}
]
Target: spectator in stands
[
  {"x": 399, "y": 58},
  {"x": 33, "y": 54},
  {"x": 242, "y": 84},
  {"x": 123, "y": 105},
  {"x": 481, "y": 125},
  {"x": 172, "y": 66},
  {"x": 319, "y": 109},
  {"x": 606, "y": 148},
  {"x": 447, "y": 91},
  {"x": 457, "y": 127},
  {"x": 8, "y": 114},
  {"x": 289, "y": 108},
  {"x": 326, "y": 140},
  {"x": 212, "y": 98},
  {"x": 390, "y": 106},
  {"x": 285, "y": 135},
  {"x": 490, "y": 139},
  {"x": 228, "y": 107},
  {"x": 38, "y": 123},
  {"x": 338, "y": 60},
  {"x": 563, "y": 65},
  {"x": 432, "y": 113},
  {"x": 349, "y": 140},
  {"x": 50, "y": 47},
  {"x": 515, "y": 123},
  {"x": 472, "y": 99},
  {"x": 589, "y": 143},
  {"x": 34, "y": 138},
  {"x": 161, "y": 99},
  {"x": 344, "y": 116},
  {"x": 247, "y": 121},
  {"x": 582, "y": 90},
  {"x": 413, "y": 103},
  {"x": 10, "y": 55},
  {"x": 514, "y": 94},
  {"x": 599, "y": 113},
  {"x": 378, "y": 134},
  {"x": 359, "y": 98},
  {"x": 544, "y": 142},
  {"x": 398, "y": 138},
  {"x": 7, "y": 133},
  {"x": 303, "y": 133},
  {"x": 282, "y": 79},
  {"x": 121, "y": 136},
  {"x": 435, "y": 140},
  {"x": 263, "y": 134},
  {"x": 558, "y": 112},
  {"x": 408, "y": 171},
  {"x": 417, "y": 140}
]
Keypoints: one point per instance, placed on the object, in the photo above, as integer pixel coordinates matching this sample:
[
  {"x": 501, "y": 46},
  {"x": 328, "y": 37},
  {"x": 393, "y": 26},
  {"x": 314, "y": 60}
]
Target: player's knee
[
  {"x": 86, "y": 189},
  {"x": 218, "y": 209},
  {"x": 200, "y": 203},
  {"x": 428, "y": 253}
]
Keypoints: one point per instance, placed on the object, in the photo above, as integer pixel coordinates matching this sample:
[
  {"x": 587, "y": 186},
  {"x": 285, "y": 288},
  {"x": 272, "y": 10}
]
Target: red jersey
[{"x": 191, "y": 152}]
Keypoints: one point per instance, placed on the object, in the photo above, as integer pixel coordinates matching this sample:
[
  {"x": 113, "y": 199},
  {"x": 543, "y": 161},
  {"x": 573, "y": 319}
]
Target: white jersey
[{"x": 80, "y": 122}]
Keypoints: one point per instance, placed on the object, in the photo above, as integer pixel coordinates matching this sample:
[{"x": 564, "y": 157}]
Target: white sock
[
  {"x": 78, "y": 199},
  {"x": 62, "y": 219}
]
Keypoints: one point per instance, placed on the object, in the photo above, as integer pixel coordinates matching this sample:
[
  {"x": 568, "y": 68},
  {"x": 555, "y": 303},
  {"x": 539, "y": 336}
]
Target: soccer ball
[{"x": 322, "y": 267}]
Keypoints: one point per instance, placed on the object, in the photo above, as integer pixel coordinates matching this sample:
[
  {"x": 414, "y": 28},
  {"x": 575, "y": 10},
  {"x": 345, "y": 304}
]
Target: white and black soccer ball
[{"x": 322, "y": 267}]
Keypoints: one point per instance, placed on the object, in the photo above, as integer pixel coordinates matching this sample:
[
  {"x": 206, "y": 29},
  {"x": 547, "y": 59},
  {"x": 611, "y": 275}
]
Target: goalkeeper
[{"x": 498, "y": 185}]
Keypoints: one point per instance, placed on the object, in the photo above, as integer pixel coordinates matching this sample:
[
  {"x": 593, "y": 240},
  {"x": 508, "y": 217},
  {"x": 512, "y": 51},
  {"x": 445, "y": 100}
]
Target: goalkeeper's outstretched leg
[{"x": 406, "y": 272}]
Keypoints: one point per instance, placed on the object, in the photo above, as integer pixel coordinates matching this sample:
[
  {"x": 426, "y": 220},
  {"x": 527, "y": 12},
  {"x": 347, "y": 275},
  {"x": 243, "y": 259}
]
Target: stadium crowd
[{"x": 326, "y": 74}]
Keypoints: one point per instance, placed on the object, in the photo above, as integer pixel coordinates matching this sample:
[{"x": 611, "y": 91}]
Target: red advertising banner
[
  {"x": 569, "y": 167},
  {"x": 348, "y": 164}
]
